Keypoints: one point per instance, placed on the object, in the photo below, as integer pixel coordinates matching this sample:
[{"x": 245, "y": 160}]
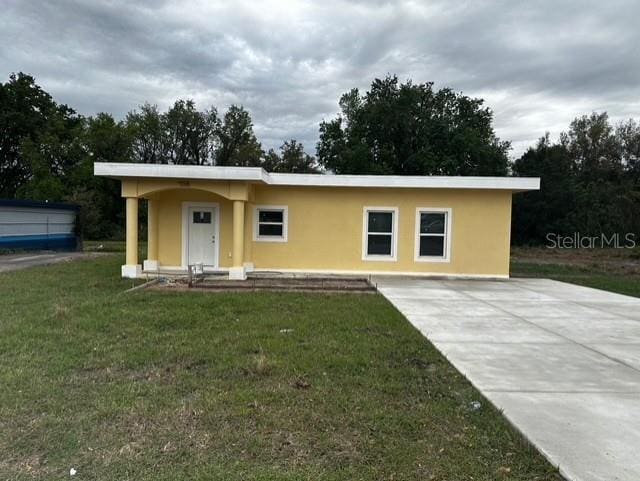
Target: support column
[
  {"x": 151, "y": 263},
  {"x": 237, "y": 270},
  {"x": 248, "y": 248},
  {"x": 132, "y": 269}
]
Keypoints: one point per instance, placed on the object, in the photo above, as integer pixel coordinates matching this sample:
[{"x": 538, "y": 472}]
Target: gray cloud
[{"x": 537, "y": 64}]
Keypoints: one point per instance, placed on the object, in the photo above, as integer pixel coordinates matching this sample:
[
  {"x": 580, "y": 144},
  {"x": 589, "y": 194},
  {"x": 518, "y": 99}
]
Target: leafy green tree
[
  {"x": 41, "y": 183},
  {"x": 628, "y": 134},
  {"x": 593, "y": 146},
  {"x": 608, "y": 195},
  {"x": 146, "y": 130},
  {"x": 332, "y": 148},
  {"x": 188, "y": 133},
  {"x": 411, "y": 129},
  {"x": 292, "y": 159},
  {"x": 270, "y": 161},
  {"x": 106, "y": 140},
  {"x": 52, "y": 157},
  {"x": 181, "y": 135},
  {"x": 54, "y": 149},
  {"x": 102, "y": 209},
  {"x": 37, "y": 139},
  {"x": 544, "y": 211},
  {"x": 589, "y": 182},
  {"x": 237, "y": 143}
]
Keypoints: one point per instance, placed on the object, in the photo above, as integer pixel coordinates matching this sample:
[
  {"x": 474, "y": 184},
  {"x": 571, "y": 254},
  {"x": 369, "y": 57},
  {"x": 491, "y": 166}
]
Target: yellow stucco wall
[
  {"x": 326, "y": 227},
  {"x": 170, "y": 223}
]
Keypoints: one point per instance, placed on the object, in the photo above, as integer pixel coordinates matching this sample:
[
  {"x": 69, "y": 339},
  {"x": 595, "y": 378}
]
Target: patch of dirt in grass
[
  {"x": 300, "y": 383},
  {"x": 317, "y": 442},
  {"x": 136, "y": 435},
  {"x": 260, "y": 365},
  {"x": 34, "y": 466},
  {"x": 255, "y": 437},
  {"x": 164, "y": 374},
  {"x": 288, "y": 445},
  {"x": 422, "y": 364},
  {"x": 60, "y": 311},
  {"x": 374, "y": 331}
]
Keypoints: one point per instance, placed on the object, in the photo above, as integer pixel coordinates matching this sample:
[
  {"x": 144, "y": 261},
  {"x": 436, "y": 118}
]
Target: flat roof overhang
[{"x": 121, "y": 170}]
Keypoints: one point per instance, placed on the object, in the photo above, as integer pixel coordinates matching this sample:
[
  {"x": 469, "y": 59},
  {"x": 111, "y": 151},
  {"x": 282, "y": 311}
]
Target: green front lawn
[
  {"x": 616, "y": 270},
  {"x": 169, "y": 386}
]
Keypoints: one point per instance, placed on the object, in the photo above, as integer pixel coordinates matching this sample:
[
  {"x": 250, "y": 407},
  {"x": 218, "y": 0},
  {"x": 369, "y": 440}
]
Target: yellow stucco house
[{"x": 243, "y": 219}]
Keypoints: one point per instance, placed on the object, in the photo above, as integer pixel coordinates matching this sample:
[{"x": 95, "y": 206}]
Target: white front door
[{"x": 202, "y": 245}]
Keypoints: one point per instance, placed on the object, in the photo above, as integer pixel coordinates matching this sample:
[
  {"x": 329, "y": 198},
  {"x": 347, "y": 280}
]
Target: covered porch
[{"x": 197, "y": 224}]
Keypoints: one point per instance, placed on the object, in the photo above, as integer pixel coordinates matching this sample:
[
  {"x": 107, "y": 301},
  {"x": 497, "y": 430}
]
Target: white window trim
[
  {"x": 285, "y": 223},
  {"x": 394, "y": 234},
  {"x": 447, "y": 234},
  {"x": 185, "y": 230}
]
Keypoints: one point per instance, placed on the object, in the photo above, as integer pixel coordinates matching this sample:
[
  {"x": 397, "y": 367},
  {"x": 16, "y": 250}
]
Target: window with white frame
[
  {"x": 270, "y": 223},
  {"x": 433, "y": 234},
  {"x": 380, "y": 233}
]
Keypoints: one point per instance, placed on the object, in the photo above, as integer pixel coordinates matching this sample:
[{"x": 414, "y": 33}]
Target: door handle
[{"x": 213, "y": 239}]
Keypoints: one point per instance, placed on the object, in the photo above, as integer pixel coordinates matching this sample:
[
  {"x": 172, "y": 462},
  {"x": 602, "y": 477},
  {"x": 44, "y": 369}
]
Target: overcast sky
[{"x": 538, "y": 64}]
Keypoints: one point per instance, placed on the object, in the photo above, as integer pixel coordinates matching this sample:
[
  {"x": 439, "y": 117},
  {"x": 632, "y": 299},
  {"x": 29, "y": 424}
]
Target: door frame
[{"x": 185, "y": 230}]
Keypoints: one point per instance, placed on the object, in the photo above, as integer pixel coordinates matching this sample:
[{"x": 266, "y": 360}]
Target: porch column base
[
  {"x": 149, "y": 265},
  {"x": 131, "y": 271},
  {"x": 237, "y": 274},
  {"x": 249, "y": 267}
]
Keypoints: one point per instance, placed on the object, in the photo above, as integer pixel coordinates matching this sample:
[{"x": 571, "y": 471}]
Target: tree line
[
  {"x": 47, "y": 150},
  {"x": 590, "y": 180},
  {"x": 590, "y": 175}
]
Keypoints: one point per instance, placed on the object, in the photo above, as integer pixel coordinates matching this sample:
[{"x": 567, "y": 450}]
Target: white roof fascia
[
  {"x": 402, "y": 181},
  {"x": 192, "y": 172},
  {"x": 257, "y": 174}
]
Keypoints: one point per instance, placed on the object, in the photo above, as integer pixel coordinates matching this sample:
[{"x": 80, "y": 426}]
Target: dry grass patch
[{"x": 60, "y": 311}]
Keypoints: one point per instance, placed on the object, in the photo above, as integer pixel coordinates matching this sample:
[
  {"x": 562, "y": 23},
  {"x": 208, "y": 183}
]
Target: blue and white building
[{"x": 35, "y": 225}]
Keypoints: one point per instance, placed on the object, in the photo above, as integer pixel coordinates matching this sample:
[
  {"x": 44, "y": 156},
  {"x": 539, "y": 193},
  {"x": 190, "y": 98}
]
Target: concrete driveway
[{"x": 562, "y": 361}]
